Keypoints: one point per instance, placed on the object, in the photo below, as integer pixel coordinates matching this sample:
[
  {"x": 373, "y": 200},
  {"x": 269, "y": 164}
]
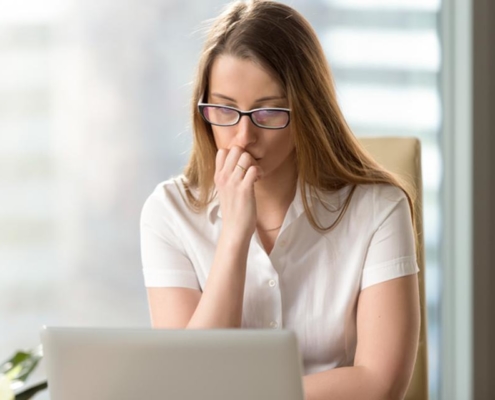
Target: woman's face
[{"x": 245, "y": 85}]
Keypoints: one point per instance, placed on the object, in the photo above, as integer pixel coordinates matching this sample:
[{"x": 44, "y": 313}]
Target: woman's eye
[
  {"x": 226, "y": 111},
  {"x": 267, "y": 113}
]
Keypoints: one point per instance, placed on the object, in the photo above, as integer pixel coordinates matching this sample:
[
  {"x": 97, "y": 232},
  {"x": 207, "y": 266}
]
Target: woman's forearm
[
  {"x": 222, "y": 299},
  {"x": 349, "y": 383}
]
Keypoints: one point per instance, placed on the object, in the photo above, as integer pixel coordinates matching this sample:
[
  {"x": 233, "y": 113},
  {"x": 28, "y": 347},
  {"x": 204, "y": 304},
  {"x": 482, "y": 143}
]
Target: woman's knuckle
[{"x": 220, "y": 178}]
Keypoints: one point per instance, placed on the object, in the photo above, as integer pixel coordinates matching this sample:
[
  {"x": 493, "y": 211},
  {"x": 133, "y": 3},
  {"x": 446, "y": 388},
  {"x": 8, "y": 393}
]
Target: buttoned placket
[
  {"x": 269, "y": 287},
  {"x": 272, "y": 266}
]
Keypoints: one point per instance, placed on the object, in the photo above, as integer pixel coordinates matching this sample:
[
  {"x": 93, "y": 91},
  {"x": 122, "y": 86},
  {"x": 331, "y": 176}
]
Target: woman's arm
[
  {"x": 388, "y": 321},
  {"x": 220, "y": 304}
]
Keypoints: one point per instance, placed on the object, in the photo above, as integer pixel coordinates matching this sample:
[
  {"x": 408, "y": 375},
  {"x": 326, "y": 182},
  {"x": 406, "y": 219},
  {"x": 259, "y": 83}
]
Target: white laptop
[{"x": 149, "y": 364}]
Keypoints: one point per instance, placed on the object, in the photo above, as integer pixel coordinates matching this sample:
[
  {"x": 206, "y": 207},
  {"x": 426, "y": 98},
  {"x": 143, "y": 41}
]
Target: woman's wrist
[{"x": 234, "y": 241}]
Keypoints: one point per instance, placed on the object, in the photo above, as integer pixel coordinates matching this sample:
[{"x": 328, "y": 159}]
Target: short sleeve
[
  {"x": 165, "y": 262},
  {"x": 391, "y": 253}
]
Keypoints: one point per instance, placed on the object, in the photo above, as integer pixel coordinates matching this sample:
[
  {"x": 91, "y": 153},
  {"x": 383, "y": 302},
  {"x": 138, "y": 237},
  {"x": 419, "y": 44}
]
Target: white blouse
[{"x": 310, "y": 282}]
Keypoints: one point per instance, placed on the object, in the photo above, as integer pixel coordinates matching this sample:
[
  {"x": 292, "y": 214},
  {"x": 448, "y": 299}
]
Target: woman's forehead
[{"x": 246, "y": 77}]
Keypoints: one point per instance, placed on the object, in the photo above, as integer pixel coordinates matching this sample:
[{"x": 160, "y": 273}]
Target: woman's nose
[{"x": 246, "y": 132}]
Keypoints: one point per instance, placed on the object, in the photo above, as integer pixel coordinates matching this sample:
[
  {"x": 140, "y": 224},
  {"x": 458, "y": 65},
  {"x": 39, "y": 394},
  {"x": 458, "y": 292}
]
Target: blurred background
[{"x": 94, "y": 113}]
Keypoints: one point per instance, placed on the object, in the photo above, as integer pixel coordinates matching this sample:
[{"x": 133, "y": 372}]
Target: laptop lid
[{"x": 130, "y": 364}]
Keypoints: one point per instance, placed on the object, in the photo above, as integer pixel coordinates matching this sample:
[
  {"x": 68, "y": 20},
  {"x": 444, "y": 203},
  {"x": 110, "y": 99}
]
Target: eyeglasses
[{"x": 266, "y": 118}]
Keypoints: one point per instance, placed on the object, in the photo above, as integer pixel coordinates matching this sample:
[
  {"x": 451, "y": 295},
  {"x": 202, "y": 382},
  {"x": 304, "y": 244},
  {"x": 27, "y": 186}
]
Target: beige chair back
[{"x": 402, "y": 156}]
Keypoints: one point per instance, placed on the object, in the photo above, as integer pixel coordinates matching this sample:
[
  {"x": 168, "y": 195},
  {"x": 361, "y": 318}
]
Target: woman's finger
[
  {"x": 234, "y": 154},
  {"x": 252, "y": 175},
  {"x": 220, "y": 159},
  {"x": 242, "y": 170},
  {"x": 246, "y": 160}
]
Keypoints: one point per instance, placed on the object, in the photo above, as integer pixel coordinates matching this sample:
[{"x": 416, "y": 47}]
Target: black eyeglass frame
[{"x": 240, "y": 113}]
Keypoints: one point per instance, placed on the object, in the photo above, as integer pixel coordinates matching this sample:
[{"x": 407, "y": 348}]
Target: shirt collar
[{"x": 213, "y": 209}]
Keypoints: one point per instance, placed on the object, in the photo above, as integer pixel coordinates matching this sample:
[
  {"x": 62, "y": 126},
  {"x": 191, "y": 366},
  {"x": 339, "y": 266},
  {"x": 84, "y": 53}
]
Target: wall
[{"x": 483, "y": 198}]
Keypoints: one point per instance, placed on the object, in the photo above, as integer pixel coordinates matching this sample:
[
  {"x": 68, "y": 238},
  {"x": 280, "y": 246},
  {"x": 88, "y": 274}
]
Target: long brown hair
[{"x": 328, "y": 155}]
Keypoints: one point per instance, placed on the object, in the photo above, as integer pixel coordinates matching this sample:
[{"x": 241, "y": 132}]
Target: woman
[{"x": 281, "y": 220}]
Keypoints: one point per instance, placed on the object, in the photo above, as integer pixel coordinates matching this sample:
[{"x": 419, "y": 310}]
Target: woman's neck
[{"x": 273, "y": 199}]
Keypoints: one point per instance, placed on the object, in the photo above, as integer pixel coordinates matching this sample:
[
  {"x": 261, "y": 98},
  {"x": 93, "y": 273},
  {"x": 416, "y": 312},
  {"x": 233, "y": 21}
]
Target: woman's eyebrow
[
  {"x": 266, "y": 98},
  {"x": 223, "y": 97},
  {"x": 270, "y": 98}
]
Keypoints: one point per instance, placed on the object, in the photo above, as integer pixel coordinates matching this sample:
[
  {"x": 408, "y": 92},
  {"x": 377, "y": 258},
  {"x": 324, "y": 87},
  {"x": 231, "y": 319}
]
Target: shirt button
[
  {"x": 274, "y": 324},
  {"x": 272, "y": 283},
  {"x": 283, "y": 243}
]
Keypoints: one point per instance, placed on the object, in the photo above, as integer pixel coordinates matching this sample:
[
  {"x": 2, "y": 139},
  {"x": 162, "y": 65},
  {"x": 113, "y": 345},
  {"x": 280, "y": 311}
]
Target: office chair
[{"x": 402, "y": 156}]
